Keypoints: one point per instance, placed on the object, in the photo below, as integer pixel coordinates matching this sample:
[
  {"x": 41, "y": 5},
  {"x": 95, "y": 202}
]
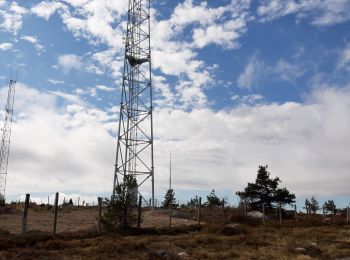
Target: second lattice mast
[
  {"x": 6, "y": 137},
  {"x": 135, "y": 133}
]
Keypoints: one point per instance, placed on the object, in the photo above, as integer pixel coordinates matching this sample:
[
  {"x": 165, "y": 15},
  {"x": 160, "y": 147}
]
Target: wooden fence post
[
  {"x": 55, "y": 215},
  {"x": 323, "y": 213},
  {"x": 139, "y": 212},
  {"x": 347, "y": 214},
  {"x": 78, "y": 201},
  {"x": 263, "y": 212},
  {"x": 296, "y": 213},
  {"x": 245, "y": 207},
  {"x": 25, "y": 214},
  {"x": 223, "y": 213},
  {"x": 199, "y": 204},
  {"x": 99, "y": 214}
]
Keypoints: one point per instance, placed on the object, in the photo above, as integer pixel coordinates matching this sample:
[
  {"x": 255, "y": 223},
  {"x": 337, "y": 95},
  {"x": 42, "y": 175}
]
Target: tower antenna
[
  {"x": 134, "y": 154},
  {"x": 170, "y": 173},
  {"x": 6, "y": 136}
]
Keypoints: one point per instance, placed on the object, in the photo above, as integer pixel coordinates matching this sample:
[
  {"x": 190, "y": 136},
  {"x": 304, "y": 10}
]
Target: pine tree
[
  {"x": 265, "y": 191},
  {"x": 329, "y": 206},
  {"x": 169, "y": 199},
  {"x": 213, "y": 200},
  {"x": 2, "y": 200},
  {"x": 120, "y": 210}
]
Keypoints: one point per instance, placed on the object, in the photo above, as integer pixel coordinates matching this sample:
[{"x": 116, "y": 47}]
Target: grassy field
[{"x": 79, "y": 240}]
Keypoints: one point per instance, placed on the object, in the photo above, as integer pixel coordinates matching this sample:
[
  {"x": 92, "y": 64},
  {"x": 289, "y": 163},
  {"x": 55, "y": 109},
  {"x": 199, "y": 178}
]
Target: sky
[{"x": 237, "y": 84}]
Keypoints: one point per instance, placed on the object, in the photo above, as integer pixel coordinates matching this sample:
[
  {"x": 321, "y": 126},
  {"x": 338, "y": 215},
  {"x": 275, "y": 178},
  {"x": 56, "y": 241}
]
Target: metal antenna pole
[
  {"x": 6, "y": 136},
  {"x": 134, "y": 154},
  {"x": 170, "y": 174}
]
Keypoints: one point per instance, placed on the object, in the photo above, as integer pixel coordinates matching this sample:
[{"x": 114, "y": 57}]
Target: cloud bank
[{"x": 59, "y": 144}]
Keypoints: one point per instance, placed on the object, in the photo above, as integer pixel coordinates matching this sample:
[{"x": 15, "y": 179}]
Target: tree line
[{"x": 263, "y": 192}]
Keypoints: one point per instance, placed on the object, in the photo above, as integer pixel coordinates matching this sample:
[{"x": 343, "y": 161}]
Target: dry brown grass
[{"x": 212, "y": 241}]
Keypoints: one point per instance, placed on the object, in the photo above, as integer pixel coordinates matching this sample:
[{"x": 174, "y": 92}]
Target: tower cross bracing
[
  {"x": 6, "y": 137},
  {"x": 134, "y": 154}
]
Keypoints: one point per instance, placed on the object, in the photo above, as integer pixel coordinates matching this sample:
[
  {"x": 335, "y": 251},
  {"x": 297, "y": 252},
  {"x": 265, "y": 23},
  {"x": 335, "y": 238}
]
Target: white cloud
[
  {"x": 12, "y": 18},
  {"x": 344, "y": 59},
  {"x": 5, "y": 46},
  {"x": 91, "y": 91},
  {"x": 68, "y": 97},
  {"x": 247, "y": 99},
  {"x": 54, "y": 81},
  {"x": 251, "y": 74},
  {"x": 320, "y": 12},
  {"x": 29, "y": 38},
  {"x": 105, "y": 88},
  {"x": 49, "y": 151},
  {"x": 102, "y": 22},
  {"x": 95, "y": 20},
  {"x": 224, "y": 35},
  {"x": 34, "y": 41},
  {"x": 256, "y": 71},
  {"x": 306, "y": 145},
  {"x": 46, "y": 9},
  {"x": 286, "y": 71},
  {"x": 69, "y": 62}
]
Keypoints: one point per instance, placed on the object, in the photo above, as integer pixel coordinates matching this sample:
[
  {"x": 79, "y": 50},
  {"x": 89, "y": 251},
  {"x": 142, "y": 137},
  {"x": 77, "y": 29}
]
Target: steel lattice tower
[
  {"x": 134, "y": 154},
  {"x": 6, "y": 135}
]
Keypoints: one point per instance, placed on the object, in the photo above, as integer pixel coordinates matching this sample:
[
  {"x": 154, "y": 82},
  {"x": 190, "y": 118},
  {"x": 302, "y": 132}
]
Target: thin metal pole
[
  {"x": 170, "y": 173},
  {"x": 25, "y": 214},
  {"x": 170, "y": 214}
]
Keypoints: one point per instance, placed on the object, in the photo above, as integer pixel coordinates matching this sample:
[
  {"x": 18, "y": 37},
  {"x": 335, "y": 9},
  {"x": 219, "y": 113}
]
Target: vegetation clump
[
  {"x": 169, "y": 199},
  {"x": 311, "y": 205},
  {"x": 120, "y": 209},
  {"x": 2, "y": 200},
  {"x": 265, "y": 191},
  {"x": 329, "y": 206},
  {"x": 213, "y": 200}
]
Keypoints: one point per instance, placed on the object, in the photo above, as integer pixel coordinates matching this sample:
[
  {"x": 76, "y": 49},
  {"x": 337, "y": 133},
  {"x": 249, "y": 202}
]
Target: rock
[
  {"x": 182, "y": 254},
  {"x": 255, "y": 214},
  {"x": 300, "y": 249},
  {"x": 313, "y": 244}
]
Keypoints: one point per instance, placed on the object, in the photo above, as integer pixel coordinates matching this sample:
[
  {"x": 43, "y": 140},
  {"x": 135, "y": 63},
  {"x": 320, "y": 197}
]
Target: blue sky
[{"x": 238, "y": 83}]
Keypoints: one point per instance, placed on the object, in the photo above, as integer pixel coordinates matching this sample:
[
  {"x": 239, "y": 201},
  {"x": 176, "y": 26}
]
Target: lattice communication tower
[
  {"x": 6, "y": 136},
  {"x": 134, "y": 154}
]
